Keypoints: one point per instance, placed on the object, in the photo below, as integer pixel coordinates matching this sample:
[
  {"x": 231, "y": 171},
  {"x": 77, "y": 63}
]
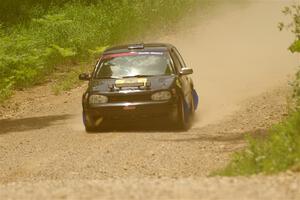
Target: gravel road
[{"x": 241, "y": 71}]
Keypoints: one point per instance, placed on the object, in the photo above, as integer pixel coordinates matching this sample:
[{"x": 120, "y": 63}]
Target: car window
[
  {"x": 182, "y": 63},
  {"x": 176, "y": 61},
  {"x": 135, "y": 64}
]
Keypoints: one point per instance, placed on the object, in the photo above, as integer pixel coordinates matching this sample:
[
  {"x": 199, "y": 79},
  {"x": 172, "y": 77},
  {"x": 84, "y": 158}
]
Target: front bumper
[{"x": 134, "y": 110}]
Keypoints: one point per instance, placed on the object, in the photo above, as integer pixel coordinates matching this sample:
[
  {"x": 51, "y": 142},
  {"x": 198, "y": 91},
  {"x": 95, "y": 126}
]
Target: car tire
[
  {"x": 89, "y": 127},
  {"x": 195, "y": 99},
  {"x": 192, "y": 108},
  {"x": 183, "y": 118}
]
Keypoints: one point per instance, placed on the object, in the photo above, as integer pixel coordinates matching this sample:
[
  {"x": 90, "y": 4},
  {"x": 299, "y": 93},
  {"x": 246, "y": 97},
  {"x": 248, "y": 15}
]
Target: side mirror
[
  {"x": 84, "y": 77},
  {"x": 186, "y": 71}
]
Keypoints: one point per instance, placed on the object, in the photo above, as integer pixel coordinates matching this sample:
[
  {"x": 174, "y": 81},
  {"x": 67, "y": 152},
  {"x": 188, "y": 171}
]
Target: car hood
[{"x": 154, "y": 83}]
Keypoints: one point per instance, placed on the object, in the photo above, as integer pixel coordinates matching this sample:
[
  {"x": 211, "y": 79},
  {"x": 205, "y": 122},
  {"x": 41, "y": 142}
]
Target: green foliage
[
  {"x": 295, "y": 47},
  {"x": 61, "y": 52},
  {"x": 74, "y": 32},
  {"x": 296, "y": 85},
  {"x": 293, "y": 26},
  {"x": 16, "y": 11},
  {"x": 97, "y": 50},
  {"x": 68, "y": 80}
]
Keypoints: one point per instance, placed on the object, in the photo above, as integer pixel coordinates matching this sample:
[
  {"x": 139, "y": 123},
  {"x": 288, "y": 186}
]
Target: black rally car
[{"x": 139, "y": 81}]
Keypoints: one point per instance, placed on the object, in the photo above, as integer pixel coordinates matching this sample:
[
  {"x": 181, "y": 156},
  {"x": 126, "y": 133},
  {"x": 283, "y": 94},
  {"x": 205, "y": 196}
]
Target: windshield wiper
[{"x": 137, "y": 76}]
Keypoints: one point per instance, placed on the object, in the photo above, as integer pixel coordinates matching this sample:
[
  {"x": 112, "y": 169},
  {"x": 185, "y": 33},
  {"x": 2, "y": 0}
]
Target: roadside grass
[
  {"x": 68, "y": 78},
  {"x": 278, "y": 152},
  {"x": 76, "y": 33}
]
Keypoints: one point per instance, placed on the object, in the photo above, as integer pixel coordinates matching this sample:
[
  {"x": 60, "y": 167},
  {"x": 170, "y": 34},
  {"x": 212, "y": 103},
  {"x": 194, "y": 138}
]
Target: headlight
[
  {"x": 98, "y": 99},
  {"x": 161, "y": 96}
]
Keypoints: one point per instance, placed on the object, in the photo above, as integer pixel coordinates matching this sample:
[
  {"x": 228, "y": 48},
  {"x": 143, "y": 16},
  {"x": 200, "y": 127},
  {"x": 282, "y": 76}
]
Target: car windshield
[{"x": 134, "y": 64}]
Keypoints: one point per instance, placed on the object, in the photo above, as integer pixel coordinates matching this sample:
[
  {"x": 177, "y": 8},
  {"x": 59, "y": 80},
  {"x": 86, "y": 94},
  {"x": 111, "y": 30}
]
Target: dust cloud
[{"x": 236, "y": 53}]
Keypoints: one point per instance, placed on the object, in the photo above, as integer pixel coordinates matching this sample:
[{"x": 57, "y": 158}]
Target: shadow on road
[
  {"x": 220, "y": 137},
  {"x": 139, "y": 126},
  {"x": 27, "y": 124}
]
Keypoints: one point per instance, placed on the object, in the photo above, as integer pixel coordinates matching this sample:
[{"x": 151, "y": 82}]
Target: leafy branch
[{"x": 293, "y": 26}]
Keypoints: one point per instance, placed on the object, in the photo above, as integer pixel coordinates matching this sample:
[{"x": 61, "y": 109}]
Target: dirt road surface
[{"x": 241, "y": 66}]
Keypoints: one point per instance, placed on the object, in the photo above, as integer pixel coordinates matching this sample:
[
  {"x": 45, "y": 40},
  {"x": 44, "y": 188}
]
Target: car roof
[{"x": 149, "y": 47}]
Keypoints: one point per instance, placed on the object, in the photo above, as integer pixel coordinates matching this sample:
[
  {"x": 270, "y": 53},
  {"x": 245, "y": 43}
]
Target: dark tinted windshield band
[
  {"x": 119, "y": 55},
  {"x": 151, "y": 53},
  {"x": 132, "y": 54}
]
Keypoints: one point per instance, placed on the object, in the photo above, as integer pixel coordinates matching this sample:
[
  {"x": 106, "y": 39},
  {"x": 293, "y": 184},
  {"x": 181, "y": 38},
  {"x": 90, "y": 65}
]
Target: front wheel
[
  {"x": 90, "y": 129},
  {"x": 183, "y": 118},
  {"x": 91, "y": 125}
]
